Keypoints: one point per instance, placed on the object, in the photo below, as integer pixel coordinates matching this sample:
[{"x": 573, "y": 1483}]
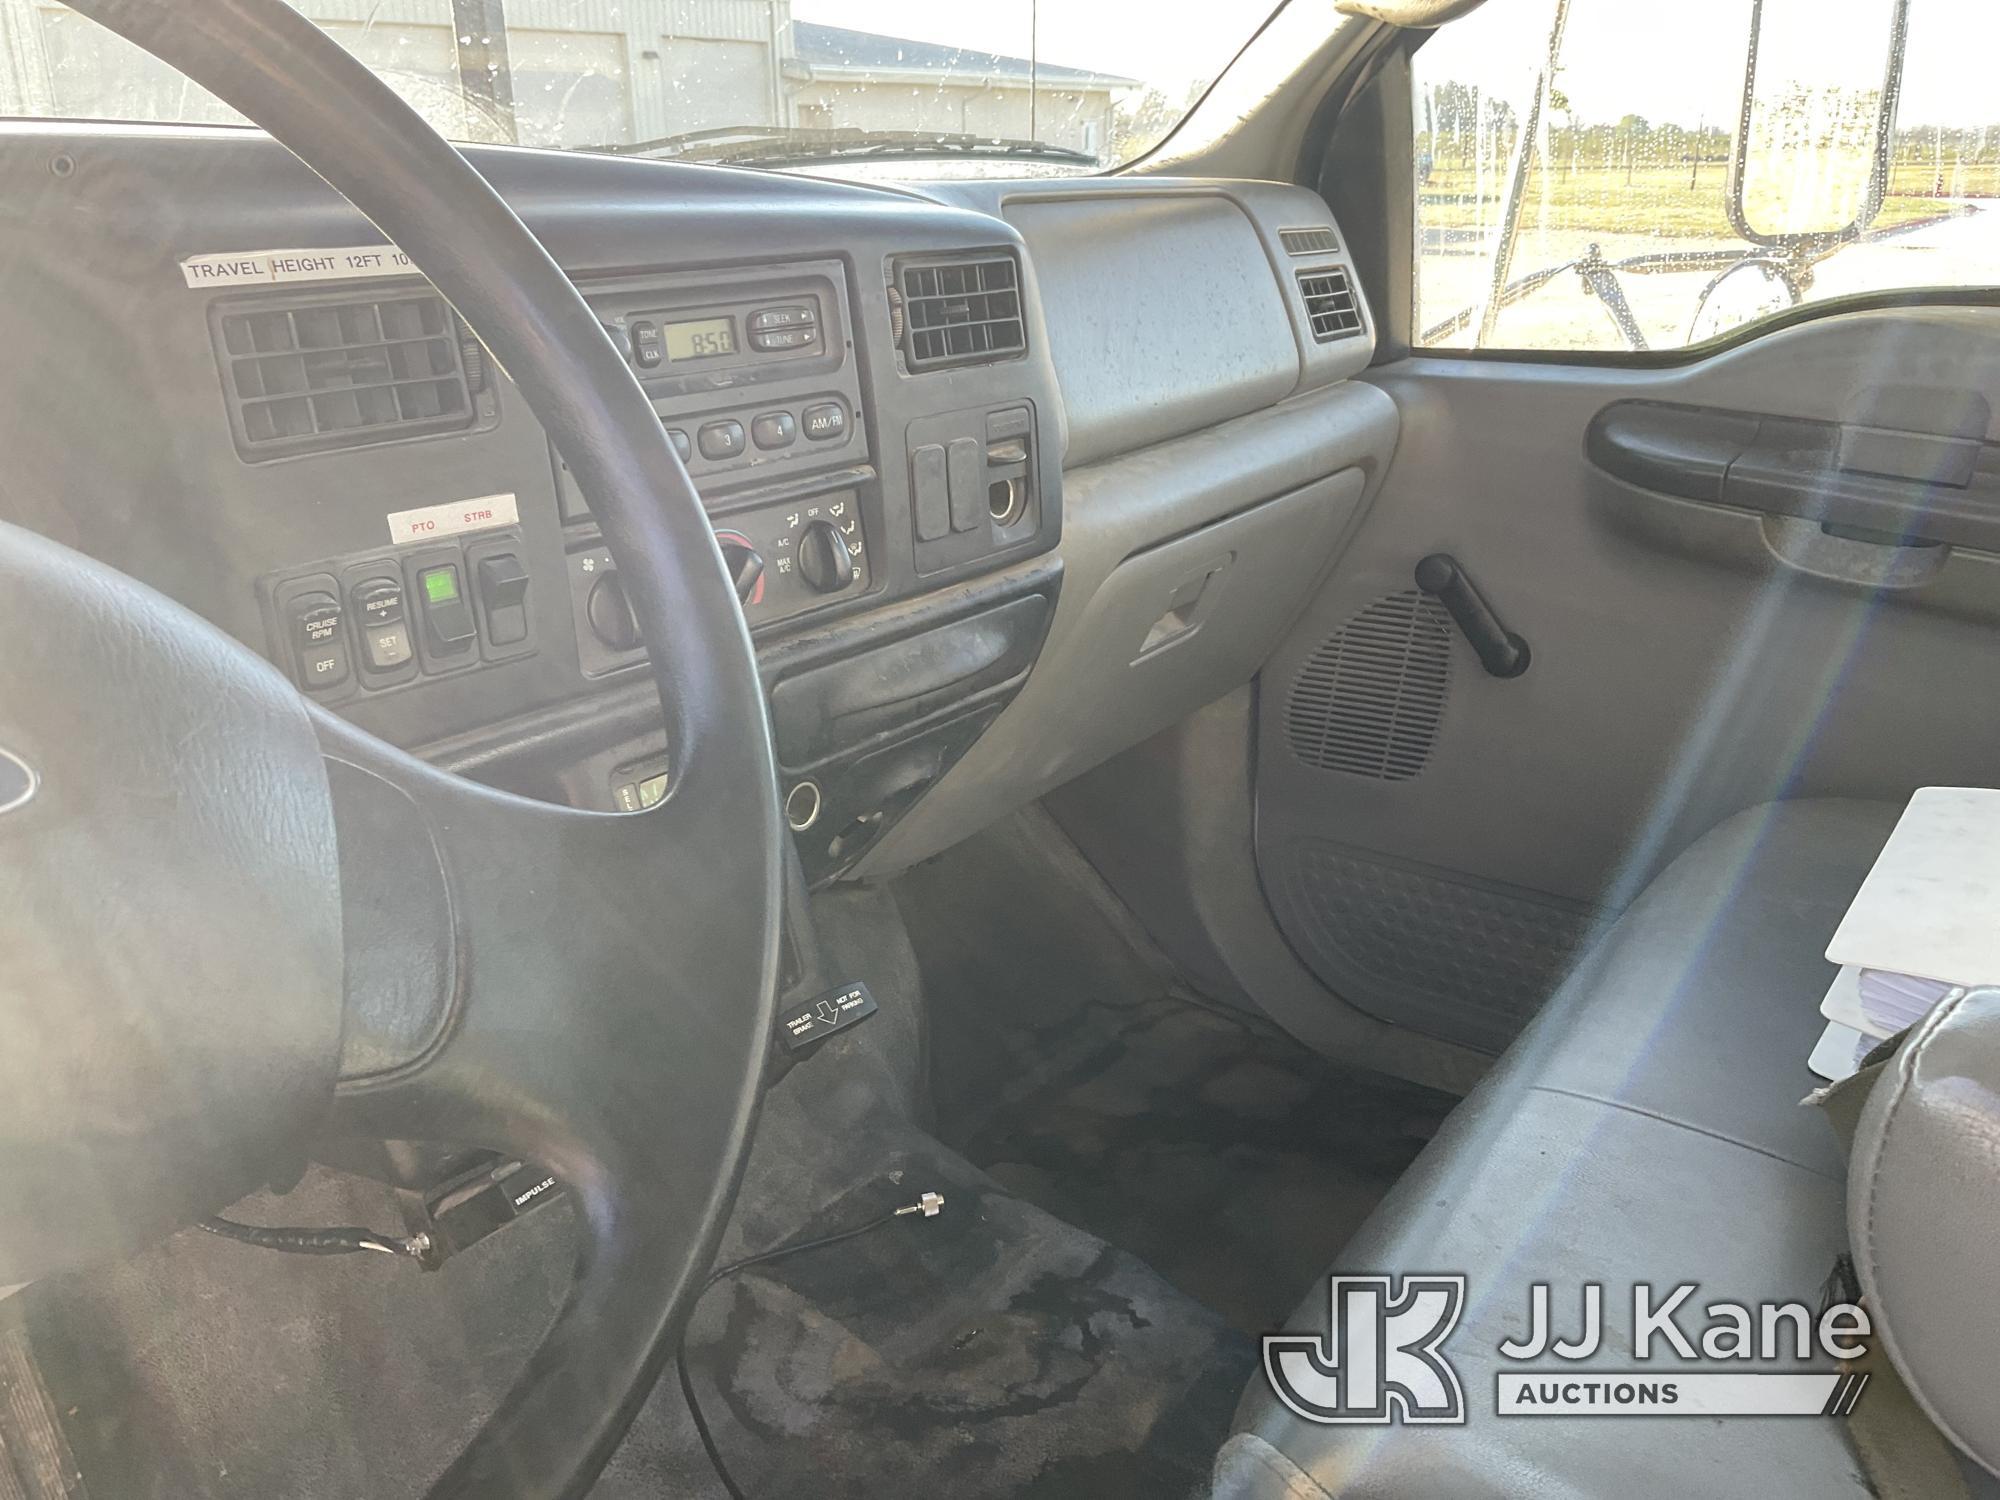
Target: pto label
[{"x": 434, "y": 521}]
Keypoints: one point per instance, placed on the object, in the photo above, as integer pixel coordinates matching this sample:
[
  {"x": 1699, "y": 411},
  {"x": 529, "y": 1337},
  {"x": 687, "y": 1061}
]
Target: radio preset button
[
  {"x": 824, "y": 422},
  {"x": 719, "y": 440},
  {"x": 682, "y": 446},
  {"x": 774, "y": 429}
]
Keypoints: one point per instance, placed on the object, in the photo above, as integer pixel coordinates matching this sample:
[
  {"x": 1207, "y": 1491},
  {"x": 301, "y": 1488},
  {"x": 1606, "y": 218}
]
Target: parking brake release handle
[{"x": 1500, "y": 651}]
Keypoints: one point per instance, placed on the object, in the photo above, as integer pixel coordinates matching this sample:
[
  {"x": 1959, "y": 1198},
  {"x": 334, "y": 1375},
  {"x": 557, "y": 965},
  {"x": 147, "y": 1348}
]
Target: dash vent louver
[
  {"x": 963, "y": 311},
  {"x": 1370, "y": 698},
  {"x": 304, "y": 376},
  {"x": 1331, "y": 307},
  {"x": 1318, "y": 240}
]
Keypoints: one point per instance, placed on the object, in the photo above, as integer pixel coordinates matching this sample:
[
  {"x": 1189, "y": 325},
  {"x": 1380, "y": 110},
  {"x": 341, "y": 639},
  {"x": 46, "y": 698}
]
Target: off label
[{"x": 433, "y": 521}]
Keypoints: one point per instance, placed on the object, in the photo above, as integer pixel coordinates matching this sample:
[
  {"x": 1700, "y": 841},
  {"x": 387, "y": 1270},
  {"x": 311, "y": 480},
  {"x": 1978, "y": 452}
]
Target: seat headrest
[{"x": 1923, "y": 1215}]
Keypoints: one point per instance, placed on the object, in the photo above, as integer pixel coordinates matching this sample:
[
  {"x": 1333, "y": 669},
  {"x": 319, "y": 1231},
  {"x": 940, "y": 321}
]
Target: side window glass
[{"x": 1599, "y": 175}]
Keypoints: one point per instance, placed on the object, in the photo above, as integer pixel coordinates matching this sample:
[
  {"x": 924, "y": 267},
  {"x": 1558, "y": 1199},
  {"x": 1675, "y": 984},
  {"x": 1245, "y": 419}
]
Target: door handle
[{"x": 1500, "y": 651}]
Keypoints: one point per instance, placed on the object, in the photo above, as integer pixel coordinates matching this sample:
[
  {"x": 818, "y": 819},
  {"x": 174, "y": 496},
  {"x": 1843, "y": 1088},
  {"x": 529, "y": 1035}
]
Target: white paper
[
  {"x": 1839, "y": 1051},
  {"x": 1931, "y": 905},
  {"x": 1842, "y": 1006}
]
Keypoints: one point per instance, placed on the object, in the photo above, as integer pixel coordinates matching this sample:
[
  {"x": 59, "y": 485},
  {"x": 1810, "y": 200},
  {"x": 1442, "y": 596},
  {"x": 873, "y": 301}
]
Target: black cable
[
  {"x": 928, "y": 1205},
  {"x": 342, "y": 1240}
]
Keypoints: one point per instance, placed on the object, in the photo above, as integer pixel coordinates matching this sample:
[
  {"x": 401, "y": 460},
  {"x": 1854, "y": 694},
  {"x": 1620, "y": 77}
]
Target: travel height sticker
[{"x": 281, "y": 267}]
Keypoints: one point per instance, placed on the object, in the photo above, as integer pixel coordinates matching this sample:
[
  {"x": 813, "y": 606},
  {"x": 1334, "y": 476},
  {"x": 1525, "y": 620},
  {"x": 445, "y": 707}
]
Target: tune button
[{"x": 784, "y": 338}]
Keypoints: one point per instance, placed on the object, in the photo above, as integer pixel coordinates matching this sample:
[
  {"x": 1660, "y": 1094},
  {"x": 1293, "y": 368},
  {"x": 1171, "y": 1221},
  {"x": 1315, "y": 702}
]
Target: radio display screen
[{"x": 702, "y": 339}]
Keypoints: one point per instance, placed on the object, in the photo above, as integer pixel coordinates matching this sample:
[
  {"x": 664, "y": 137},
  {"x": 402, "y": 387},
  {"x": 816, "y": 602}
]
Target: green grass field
[{"x": 1674, "y": 202}]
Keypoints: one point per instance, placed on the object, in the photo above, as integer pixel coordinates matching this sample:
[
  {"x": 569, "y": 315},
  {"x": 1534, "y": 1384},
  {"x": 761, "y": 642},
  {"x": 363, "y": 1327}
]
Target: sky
[
  {"x": 1683, "y": 61},
  {"x": 1165, "y": 43}
]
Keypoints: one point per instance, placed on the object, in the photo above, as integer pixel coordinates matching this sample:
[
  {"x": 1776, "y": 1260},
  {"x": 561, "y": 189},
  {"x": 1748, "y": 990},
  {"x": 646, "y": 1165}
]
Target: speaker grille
[{"x": 1369, "y": 699}]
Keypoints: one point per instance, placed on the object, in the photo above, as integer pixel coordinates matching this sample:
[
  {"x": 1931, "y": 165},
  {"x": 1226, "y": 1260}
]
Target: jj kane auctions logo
[{"x": 1382, "y": 1359}]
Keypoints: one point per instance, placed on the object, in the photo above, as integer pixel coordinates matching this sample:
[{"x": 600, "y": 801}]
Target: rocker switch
[
  {"x": 385, "y": 630},
  {"x": 503, "y": 595},
  {"x": 319, "y": 641},
  {"x": 447, "y": 612}
]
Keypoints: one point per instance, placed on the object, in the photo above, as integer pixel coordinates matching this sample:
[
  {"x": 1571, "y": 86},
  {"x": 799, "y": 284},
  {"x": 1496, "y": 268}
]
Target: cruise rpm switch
[{"x": 318, "y": 639}]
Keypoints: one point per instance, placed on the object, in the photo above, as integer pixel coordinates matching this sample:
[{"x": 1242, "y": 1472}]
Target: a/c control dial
[
  {"x": 745, "y": 564},
  {"x": 825, "y": 560},
  {"x": 610, "y": 613}
]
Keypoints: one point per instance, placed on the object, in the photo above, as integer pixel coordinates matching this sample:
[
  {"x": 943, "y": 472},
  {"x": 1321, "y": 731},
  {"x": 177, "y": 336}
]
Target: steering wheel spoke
[
  {"x": 566, "y": 1022},
  {"x": 572, "y": 1030}
]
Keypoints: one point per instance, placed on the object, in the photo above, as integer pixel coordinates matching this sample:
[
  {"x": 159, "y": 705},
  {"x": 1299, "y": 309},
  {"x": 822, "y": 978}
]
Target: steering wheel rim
[{"x": 612, "y": 1024}]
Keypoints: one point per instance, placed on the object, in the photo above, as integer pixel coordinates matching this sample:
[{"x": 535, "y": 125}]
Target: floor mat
[
  {"x": 992, "y": 1351},
  {"x": 1069, "y": 1063}
]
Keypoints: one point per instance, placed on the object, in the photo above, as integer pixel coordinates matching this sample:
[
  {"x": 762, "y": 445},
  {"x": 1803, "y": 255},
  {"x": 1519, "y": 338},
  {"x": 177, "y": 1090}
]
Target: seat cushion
[{"x": 1646, "y": 1128}]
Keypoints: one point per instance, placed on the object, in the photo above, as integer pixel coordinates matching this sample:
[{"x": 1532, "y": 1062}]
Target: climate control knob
[
  {"x": 610, "y": 613},
  {"x": 745, "y": 564},
  {"x": 826, "y": 562}
]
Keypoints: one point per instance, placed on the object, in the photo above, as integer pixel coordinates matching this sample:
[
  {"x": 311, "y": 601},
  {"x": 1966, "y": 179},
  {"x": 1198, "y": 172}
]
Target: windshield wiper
[{"x": 772, "y": 146}]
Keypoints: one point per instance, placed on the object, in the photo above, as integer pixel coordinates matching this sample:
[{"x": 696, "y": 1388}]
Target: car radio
[{"x": 753, "y": 374}]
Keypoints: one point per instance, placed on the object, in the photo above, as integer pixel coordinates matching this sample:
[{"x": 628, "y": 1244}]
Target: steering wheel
[{"x": 191, "y": 933}]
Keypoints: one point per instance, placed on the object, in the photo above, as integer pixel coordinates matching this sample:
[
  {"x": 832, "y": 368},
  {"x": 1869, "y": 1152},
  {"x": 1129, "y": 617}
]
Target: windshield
[{"x": 1011, "y": 84}]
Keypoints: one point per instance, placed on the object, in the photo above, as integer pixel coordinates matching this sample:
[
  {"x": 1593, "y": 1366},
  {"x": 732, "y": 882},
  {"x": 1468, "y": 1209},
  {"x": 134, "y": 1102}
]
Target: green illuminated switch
[{"x": 447, "y": 613}]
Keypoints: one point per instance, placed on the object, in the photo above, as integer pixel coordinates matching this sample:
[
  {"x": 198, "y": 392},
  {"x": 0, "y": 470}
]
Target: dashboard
[{"x": 224, "y": 383}]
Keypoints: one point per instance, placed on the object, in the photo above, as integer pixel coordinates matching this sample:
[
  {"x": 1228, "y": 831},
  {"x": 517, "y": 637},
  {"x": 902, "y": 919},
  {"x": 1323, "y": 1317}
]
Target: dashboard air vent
[
  {"x": 1330, "y": 304},
  {"x": 1315, "y": 241},
  {"x": 961, "y": 312},
  {"x": 303, "y": 376}
]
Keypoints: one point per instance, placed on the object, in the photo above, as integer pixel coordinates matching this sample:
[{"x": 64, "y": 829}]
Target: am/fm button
[{"x": 824, "y": 422}]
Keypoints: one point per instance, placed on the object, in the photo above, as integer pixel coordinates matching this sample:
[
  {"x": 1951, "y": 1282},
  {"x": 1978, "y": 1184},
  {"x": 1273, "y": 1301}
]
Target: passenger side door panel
[{"x": 1438, "y": 843}]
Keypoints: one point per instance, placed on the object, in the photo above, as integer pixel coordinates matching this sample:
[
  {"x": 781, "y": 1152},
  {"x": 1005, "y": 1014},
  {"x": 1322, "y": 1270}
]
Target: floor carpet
[{"x": 1069, "y": 1063}]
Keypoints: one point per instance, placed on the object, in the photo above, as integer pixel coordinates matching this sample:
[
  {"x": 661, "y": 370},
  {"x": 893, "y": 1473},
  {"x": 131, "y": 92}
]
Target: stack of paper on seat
[{"x": 1925, "y": 922}]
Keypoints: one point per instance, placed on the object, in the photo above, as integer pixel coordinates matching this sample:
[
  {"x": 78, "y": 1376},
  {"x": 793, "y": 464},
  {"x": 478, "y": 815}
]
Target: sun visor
[{"x": 1414, "y": 13}]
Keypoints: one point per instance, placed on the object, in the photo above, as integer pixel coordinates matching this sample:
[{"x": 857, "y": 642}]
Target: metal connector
[{"x": 930, "y": 1205}]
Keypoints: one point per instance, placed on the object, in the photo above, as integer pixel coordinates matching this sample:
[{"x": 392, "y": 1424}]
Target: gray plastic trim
[{"x": 1256, "y": 509}]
